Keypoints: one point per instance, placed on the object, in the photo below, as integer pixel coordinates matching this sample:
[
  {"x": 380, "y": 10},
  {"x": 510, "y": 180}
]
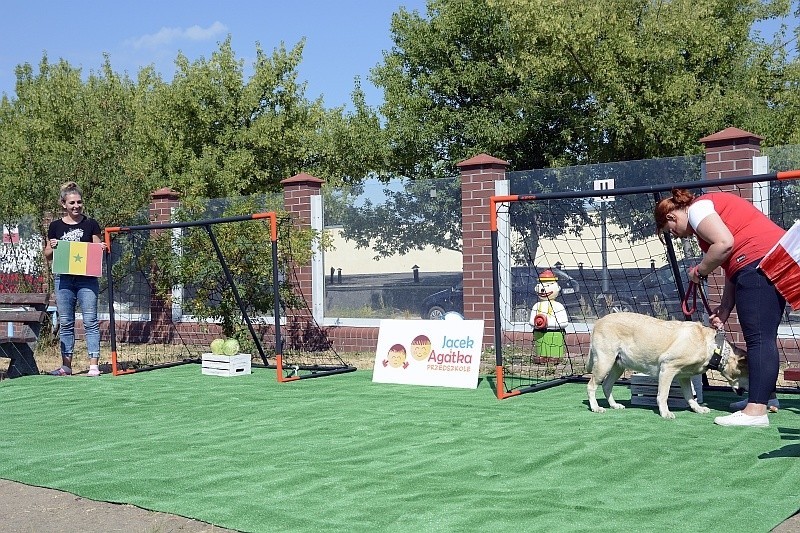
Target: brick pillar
[
  {"x": 729, "y": 154},
  {"x": 297, "y": 193},
  {"x": 478, "y": 176},
  {"x": 162, "y": 202}
]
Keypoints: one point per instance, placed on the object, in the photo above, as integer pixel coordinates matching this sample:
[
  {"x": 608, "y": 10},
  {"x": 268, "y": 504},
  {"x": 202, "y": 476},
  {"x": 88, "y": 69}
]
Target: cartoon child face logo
[
  {"x": 396, "y": 356},
  {"x": 420, "y": 348}
]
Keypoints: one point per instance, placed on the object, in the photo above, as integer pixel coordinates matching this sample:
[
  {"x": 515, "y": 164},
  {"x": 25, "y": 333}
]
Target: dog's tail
[{"x": 590, "y": 361}]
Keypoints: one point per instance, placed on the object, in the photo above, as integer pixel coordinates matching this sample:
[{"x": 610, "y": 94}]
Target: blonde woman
[{"x": 75, "y": 289}]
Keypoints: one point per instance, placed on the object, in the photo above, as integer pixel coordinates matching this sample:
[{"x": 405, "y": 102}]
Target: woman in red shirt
[{"x": 734, "y": 235}]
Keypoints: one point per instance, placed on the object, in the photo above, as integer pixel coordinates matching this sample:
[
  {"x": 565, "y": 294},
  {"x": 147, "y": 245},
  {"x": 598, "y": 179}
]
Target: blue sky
[{"x": 344, "y": 38}]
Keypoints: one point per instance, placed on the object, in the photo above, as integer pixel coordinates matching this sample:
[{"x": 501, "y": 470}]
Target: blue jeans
[
  {"x": 82, "y": 290},
  {"x": 760, "y": 310}
]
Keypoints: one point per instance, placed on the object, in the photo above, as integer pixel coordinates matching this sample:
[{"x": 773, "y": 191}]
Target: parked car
[
  {"x": 523, "y": 295},
  {"x": 655, "y": 294},
  {"x": 436, "y": 305}
]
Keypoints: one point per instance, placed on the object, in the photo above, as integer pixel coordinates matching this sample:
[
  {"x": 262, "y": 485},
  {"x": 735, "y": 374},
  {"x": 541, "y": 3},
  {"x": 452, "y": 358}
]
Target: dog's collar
[{"x": 721, "y": 352}]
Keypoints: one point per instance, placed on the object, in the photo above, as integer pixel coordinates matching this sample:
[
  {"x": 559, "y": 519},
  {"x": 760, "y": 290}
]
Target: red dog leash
[
  {"x": 719, "y": 339},
  {"x": 691, "y": 292}
]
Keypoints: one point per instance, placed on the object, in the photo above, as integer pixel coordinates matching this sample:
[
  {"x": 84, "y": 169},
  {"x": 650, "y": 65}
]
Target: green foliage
[
  {"x": 424, "y": 213},
  {"x": 189, "y": 260},
  {"x": 449, "y": 94},
  {"x": 208, "y": 133},
  {"x": 548, "y": 83},
  {"x": 647, "y": 79},
  {"x": 60, "y": 129},
  {"x": 221, "y": 136},
  {"x": 37, "y": 137},
  {"x": 351, "y": 145}
]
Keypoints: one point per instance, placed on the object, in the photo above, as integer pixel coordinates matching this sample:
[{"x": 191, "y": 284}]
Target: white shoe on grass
[{"x": 740, "y": 419}]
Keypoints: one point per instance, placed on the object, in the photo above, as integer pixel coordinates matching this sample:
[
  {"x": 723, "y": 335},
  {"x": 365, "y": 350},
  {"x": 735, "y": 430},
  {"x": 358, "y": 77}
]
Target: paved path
[{"x": 27, "y": 509}]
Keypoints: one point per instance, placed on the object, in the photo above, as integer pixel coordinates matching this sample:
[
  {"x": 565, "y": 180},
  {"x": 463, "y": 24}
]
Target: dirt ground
[{"x": 27, "y": 509}]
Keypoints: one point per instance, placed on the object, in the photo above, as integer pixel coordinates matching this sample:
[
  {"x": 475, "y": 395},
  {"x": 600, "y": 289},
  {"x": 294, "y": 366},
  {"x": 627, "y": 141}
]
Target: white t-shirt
[{"x": 698, "y": 211}]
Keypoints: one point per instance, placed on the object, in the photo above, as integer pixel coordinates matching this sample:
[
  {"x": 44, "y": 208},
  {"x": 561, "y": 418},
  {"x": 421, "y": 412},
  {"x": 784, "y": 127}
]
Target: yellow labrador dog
[{"x": 665, "y": 349}]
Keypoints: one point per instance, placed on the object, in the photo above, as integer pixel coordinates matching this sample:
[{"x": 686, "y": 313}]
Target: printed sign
[
  {"x": 441, "y": 353},
  {"x": 78, "y": 258}
]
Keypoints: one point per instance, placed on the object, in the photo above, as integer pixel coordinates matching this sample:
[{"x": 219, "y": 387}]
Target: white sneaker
[
  {"x": 740, "y": 419},
  {"x": 772, "y": 405}
]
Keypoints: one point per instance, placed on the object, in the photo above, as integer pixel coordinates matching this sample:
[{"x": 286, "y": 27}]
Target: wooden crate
[
  {"x": 644, "y": 389},
  {"x": 226, "y": 366}
]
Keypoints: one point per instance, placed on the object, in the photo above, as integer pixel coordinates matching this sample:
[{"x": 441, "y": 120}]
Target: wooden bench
[{"x": 21, "y": 319}]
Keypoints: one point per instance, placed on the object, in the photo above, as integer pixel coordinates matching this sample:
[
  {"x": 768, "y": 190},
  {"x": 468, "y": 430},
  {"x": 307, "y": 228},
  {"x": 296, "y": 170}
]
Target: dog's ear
[{"x": 740, "y": 354}]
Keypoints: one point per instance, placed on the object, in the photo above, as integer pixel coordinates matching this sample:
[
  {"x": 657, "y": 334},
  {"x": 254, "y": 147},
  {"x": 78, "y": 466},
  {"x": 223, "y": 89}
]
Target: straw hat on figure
[{"x": 549, "y": 319}]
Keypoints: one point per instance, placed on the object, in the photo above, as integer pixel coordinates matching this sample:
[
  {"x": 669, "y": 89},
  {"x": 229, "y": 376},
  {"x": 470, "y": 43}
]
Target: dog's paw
[
  {"x": 617, "y": 406},
  {"x": 598, "y": 409},
  {"x": 668, "y": 415},
  {"x": 702, "y": 409}
]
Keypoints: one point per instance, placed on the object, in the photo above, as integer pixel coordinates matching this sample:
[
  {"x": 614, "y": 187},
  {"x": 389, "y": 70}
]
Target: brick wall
[
  {"x": 478, "y": 176},
  {"x": 729, "y": 154}
]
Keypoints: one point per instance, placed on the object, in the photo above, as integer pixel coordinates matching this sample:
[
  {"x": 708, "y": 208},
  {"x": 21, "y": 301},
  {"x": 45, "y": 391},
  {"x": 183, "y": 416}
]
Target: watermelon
[
  {"x": 231, "y": 347},
  {"x": 217, "y": 346}
]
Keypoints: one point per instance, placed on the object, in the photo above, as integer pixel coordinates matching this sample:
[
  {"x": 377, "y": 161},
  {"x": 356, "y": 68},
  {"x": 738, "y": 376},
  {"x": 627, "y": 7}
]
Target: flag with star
[{"x": 78, "y": 258}]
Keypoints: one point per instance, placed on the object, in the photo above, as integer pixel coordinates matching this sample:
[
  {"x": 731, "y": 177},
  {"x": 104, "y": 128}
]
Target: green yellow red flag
[{"x": 78, "y": 258}]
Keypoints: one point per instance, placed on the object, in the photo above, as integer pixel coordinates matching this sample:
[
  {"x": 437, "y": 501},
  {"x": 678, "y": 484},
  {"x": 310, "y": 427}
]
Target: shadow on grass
[
  {"x": 789, "y": 450},
  {"x": 491, "y": 381}
]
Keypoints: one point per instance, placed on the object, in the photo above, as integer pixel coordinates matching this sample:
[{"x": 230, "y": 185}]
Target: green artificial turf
[{"x": 341, "y": 453}]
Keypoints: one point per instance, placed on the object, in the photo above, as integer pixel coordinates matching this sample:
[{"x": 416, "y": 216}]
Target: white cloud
[{"x": 166, "y": 36}]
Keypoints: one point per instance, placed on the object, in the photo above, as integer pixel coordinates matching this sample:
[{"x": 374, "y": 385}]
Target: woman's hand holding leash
[
  {"x": 719, "y": 316},
  {"x": 695, "y": 276}
]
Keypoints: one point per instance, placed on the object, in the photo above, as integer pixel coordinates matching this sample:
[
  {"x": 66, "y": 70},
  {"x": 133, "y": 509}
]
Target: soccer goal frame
[
  {"x": 207, "y": 226},
  {"x": 299, "y": 365},
  {"x": 510, "y": 334}
]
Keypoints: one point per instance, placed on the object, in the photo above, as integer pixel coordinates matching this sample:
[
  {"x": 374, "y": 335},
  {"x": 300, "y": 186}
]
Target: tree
[
  {"x": 212, "y": 133},
  {"x": 188, "y": 260},
  {"x": 652, "y": 77},
  {"x": 782, "y": 124},
  {"x": 208, "y": 133},
  {"x": 450, "y": 96},
  {"x": 546, "y": 83},
  {"x": 61, "y": 129},
  {"x": 351, "y": 145},
  {"x": 36, "y": 136}
]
